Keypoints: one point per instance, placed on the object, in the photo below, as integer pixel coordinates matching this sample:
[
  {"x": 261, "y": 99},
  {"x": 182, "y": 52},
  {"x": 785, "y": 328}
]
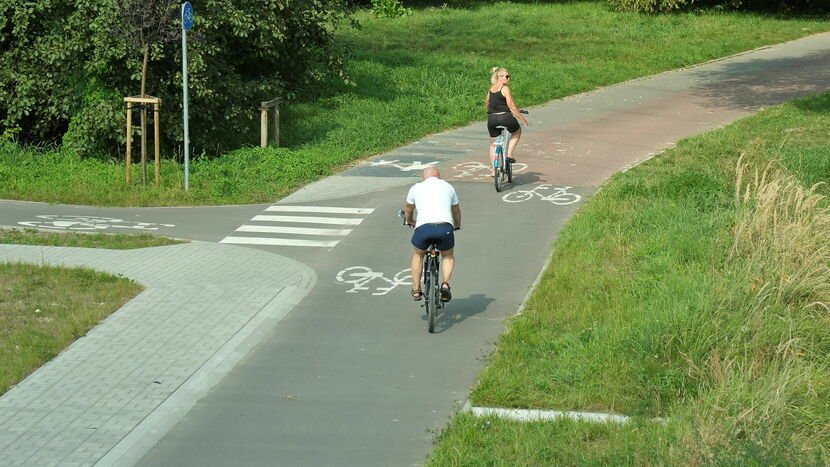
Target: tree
[
  {"x": 63, "y": 75},
  {"x": 143, "y": 25}
]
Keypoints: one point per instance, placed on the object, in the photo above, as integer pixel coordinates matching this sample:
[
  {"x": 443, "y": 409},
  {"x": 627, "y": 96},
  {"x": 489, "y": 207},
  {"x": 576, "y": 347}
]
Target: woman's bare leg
[
  {"x": 514, "y": 140},
  {"x": 492, "y": 155}
]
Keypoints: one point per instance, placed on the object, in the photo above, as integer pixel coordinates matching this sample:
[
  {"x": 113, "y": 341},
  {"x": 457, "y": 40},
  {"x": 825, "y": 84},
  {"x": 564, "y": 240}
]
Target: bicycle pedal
[{"x": 511, "y": 160}]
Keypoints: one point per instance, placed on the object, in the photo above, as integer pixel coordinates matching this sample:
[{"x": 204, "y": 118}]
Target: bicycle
[
  {"x": 431, "y": 288},
  {"x": 503, "y": 165}
]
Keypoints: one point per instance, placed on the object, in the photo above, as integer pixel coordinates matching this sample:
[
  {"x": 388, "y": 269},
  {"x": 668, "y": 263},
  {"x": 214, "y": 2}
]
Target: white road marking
[
  {"x": 327, "y": 209},
  {"x": 278, "y": 241},
  {"x": 413, "y": 166},
  {"x": 308, "y": 220},
  {"x": 67, "y": 222},
  {"x": 359, "y": 276},
  {"x": 292, "y": 230},
  {"x": 299, "y": 232}
]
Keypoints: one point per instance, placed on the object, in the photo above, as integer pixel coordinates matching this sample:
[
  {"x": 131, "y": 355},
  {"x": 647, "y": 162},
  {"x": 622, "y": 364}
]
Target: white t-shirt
[{"x": 433, "y": 199}]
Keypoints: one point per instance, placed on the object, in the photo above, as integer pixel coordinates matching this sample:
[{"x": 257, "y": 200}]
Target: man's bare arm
[
  {"x": 456, "y": 216},
  {"x": 409, "y": 213}
]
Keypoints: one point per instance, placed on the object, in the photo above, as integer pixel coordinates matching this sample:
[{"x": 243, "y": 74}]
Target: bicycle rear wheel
[
  {"x": 434, "y": 296},
  {"x": 499, "y": 178},
  {"x": 432, "y": 291}
]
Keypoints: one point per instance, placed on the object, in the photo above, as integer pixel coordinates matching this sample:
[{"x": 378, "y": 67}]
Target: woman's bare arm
[{"x": 511, "y": 104}]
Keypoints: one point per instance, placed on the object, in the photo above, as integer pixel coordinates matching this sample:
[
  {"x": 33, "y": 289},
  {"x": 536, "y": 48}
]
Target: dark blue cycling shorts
[{"x": 441, "y": 235}]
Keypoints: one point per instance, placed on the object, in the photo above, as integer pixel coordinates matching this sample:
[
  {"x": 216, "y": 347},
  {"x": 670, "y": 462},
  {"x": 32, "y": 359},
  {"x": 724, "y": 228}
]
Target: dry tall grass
[
  {"x": 783, "y": 231},
  {"x": 768, "y": 382}
]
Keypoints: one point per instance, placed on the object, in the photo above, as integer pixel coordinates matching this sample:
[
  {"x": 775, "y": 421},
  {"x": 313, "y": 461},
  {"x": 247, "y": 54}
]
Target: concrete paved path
[{"x": 349, "y": 376}]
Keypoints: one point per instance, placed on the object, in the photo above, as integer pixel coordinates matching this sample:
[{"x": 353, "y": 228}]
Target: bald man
[{"x": 439, "y": 215}]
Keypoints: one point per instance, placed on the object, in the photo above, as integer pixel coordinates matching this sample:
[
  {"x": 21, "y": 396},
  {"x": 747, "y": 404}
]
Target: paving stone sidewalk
[{"x": 204, "y": 305}]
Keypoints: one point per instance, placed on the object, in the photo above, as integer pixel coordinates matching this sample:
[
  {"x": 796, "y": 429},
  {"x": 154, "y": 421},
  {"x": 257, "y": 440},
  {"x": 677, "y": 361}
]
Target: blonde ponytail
[{"x": 495, "y": 73}]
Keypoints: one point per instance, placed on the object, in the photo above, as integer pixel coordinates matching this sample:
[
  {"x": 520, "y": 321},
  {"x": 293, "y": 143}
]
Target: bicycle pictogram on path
[
  {"x": 413, "y": 166},
  {"x": 88, "y": 223},
  {"x": 556, "y": 195},
  {"x": 360, "y": 276},
  {"x": 477, "y": 170}
]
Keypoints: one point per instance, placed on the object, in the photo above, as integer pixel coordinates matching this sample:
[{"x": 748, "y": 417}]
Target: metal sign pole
[{"x": 187, "y": 23}]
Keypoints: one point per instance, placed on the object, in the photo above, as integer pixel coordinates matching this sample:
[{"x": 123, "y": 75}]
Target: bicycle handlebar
[{"x": 401, "y": 214}]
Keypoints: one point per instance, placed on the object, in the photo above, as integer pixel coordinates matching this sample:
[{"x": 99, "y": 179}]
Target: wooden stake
[
  {"x": 277, "y": 125},
  {"x": 129, "y": 139},
  {"x": 143, "y": 145},
  {"x": 263, "y": 127},
  {"x": 156, "y": 115}
]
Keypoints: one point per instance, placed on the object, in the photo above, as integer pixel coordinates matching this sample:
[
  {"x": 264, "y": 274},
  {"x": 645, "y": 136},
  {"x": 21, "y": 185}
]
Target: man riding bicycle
[{"x": 439, "y": 215}]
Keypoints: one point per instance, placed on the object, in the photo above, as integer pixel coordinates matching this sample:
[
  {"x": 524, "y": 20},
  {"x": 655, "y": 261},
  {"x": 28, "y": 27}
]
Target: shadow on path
[
  {"x": 763, "y": 82},
  {"x": 459, "y": 309}
]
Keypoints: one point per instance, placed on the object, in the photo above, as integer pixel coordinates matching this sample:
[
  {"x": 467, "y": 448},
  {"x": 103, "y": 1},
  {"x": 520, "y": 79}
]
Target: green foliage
[
  {"x": 389, "y": 8},
  {"x": 63, "y": 73}
]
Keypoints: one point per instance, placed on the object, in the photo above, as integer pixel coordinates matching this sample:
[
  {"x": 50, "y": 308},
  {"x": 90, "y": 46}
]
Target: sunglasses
[{"x": 507, "y": 76}]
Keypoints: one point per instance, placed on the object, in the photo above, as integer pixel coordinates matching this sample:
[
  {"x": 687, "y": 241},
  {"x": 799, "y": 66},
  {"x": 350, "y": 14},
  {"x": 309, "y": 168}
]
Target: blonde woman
[{"x": 502, "y": 111}]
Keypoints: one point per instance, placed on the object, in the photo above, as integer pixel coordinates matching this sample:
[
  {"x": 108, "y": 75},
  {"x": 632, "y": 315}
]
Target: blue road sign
[{"x": 187, "y": 16}]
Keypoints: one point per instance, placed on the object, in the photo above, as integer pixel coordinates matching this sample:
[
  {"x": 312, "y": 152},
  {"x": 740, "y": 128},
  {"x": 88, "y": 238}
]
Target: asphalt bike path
[{"x": 340, "y": 368}]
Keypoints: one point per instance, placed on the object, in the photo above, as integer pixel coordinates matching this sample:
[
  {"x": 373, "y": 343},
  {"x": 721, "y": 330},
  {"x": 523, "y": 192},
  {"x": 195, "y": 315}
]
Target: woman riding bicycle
[{"x": 502, "y": 111}]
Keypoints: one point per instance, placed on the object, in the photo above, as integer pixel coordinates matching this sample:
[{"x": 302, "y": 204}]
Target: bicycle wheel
[
  {"x": 434, "y": 295},
  {"x": 517, "y": 196},
  {"x": 499, "y": 178},
  {"x": 563, "y": 199},
  {"x": 509, "y": 169}
]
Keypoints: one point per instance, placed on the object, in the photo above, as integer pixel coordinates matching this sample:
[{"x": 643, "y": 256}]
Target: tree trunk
[{"x": 144, "y": 115}]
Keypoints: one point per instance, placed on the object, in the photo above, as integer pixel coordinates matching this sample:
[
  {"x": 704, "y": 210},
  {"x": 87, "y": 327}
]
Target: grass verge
[
  {"x": 415, "y": 76},
  {"x": 74, "y": 239},
  {"x": 43, "y": 309},
  {"x": 693, "y": 287}
]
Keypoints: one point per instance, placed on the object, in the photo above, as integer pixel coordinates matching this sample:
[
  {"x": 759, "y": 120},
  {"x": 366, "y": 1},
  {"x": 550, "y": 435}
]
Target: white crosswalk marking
[
  {"x": 277, "y": 241},
  {"x": 308, "y": 220},
  {"x": 292, "y": 230},
  {"x": 286, "y": 234},
  {"x": 330, "y": 210}
]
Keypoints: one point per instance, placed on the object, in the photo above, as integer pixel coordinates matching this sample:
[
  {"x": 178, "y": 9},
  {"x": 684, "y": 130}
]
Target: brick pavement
[{"x": 202, "y": 306}]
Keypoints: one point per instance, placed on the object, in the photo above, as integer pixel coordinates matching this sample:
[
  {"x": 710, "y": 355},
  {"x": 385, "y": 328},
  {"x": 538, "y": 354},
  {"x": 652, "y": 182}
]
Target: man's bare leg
[
  {"x": 447, "y": 264},
  {"x": 417, "y": 268}
]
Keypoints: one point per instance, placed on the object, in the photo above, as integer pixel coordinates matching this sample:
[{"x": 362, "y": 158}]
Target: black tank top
[{"x": 498, "y": 103}]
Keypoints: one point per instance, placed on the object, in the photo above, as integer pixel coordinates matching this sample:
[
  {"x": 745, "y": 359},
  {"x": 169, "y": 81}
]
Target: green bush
[
  {"x": 389, "y": 8},
  {"x": 63, "y": 73}
]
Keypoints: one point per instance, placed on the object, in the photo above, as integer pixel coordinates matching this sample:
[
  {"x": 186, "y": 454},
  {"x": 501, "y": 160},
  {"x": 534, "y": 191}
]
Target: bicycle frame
[
  {"x": 502, "y": 143},
  {"x": 501, "y": 166}
]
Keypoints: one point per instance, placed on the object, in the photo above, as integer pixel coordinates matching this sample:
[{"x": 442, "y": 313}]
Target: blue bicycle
[{"x": 503, "y": 165}]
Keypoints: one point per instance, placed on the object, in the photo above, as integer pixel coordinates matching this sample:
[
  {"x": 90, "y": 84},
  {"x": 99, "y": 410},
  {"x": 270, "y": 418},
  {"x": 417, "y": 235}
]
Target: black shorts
[
  {"x": 506, "y": 120},
  {"x": 442, "y": 235}
]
